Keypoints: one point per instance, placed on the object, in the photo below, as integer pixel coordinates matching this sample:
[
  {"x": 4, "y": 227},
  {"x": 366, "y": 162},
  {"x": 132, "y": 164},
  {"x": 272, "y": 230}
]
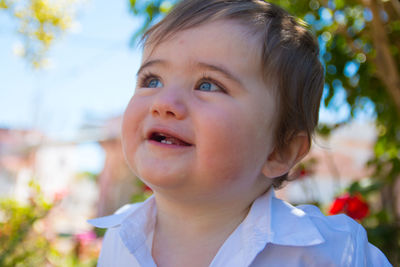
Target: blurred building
[
  {"x": 116, "y": 182},
  {"x": 339, "y": 160},
  {"x": 17, "y": 159},
  {"x": 27, "y": 155}
]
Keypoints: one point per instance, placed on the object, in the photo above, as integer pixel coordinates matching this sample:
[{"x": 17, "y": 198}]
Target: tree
[
  {"x": 39, "y": 22},
  {"x": 360, "y": 45}
]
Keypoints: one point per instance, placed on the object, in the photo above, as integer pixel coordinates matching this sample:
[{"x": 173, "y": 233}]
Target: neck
[
  {"x": 191, "y": 228},
  {"x": 187, "y": 235},
  {"x": 193, "y": 220}
]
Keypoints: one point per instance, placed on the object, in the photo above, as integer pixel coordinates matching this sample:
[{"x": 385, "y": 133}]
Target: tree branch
[
  {"x": 396, "y": 6},
  {"x": 386, "y": 65}
]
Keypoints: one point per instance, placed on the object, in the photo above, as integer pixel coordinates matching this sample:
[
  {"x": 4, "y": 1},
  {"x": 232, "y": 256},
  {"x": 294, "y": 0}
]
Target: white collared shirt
[{"x": 274, "y": 233}]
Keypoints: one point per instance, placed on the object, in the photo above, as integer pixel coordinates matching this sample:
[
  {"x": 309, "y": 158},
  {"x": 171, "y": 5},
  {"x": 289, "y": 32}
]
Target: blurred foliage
[
  {"x": 26, "y": 240},
  {"x": 142, "y": 194},
  {"x": 19, "y": 245},
  {"x": 360, "y": 46},
  {"x": 88, "y": 175},
  {"x": 39, "y": 23},
  {"x": 381, "y": 231},
  {"x": 150, "y": 11}
]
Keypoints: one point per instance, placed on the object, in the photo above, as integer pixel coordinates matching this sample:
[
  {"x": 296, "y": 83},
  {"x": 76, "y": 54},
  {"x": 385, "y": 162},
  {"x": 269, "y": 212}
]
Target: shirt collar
[
  {"x": 136, "y": 227},
  {"x": 270, "y": 220},
  {"x": 291, "y": 226},
  {"x": 121, "y": 214}
]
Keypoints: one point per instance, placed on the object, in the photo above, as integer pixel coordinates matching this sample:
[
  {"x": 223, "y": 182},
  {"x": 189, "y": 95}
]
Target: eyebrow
[
  {"x": 151, "y": 63},
  {"x": 221, "y": 70}
]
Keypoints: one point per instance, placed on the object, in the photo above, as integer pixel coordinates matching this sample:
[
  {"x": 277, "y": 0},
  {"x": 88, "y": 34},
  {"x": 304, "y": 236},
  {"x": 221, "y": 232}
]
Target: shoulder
[
  {"x": 335, "y": 223},
  {"x": 114, "y": 251},
  {"x": 346, "y": 238},
  {"x": 309, "y": 238}
]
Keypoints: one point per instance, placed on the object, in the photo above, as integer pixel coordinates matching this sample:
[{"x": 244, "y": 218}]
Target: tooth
[{"x": 168, "y": 142}]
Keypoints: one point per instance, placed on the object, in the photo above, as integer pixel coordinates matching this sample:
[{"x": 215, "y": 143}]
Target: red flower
[
  {"x": 354, "y": 206},
  {"x": 147, "y": 189},
  {"x": 303, "y": 172}
]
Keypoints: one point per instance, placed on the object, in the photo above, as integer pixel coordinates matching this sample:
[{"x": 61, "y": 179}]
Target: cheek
[
  {"x": 231, "y": 144},
  {"x": 131, "y": 128}
]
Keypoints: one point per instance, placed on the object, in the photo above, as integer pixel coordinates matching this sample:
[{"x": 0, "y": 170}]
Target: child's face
[{"x": 202, "y": 119}]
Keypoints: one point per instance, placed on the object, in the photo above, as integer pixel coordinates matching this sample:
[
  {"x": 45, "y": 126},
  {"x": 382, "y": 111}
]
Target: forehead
[{"x": 223, "y": 41}]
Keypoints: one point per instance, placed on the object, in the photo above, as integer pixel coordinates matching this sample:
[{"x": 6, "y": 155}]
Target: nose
[{"x": 169, "y": 103}]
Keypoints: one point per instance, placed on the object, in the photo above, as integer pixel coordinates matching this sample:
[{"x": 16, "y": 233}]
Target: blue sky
[{"x": 91, "y": 76}]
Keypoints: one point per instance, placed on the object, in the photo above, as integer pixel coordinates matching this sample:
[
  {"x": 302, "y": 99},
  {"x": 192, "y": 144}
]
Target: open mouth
[{"x": 167, "y": 139}]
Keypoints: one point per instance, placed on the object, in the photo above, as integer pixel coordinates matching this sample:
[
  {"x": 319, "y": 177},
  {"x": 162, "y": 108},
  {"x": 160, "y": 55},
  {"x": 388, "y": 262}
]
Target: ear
[{"x": 279, "y": 162}]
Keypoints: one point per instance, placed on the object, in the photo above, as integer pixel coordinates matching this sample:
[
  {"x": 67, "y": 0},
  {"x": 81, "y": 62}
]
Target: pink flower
[
  {"x": 85, "y": 238},
  {"x": 60, "y": 195}
]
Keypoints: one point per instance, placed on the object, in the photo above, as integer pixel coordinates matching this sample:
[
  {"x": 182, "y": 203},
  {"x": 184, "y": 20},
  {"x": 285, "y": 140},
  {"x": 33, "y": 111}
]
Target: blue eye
[
  {"x": 154, "y": 83},
  {"x": 208, "y": 87}
]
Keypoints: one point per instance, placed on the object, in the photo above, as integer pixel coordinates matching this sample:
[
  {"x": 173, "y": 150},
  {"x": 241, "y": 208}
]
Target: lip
[{"x": 166, "y": 131}]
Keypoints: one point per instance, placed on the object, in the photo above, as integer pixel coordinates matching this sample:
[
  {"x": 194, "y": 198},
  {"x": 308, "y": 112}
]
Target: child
[{"x": 225, "y": 105}]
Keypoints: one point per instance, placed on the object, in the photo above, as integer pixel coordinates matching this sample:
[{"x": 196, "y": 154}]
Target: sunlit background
[
  {"x": 60, "y": 152},
  {"x": 88, "y": 79}
]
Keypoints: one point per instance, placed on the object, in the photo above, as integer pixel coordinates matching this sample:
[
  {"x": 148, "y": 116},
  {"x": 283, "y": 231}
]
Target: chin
[{"x": 162, "y": 179}]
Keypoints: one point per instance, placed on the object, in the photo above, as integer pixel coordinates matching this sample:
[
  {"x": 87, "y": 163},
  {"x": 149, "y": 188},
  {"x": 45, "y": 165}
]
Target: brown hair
[{"x": 289, "y": 61}]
